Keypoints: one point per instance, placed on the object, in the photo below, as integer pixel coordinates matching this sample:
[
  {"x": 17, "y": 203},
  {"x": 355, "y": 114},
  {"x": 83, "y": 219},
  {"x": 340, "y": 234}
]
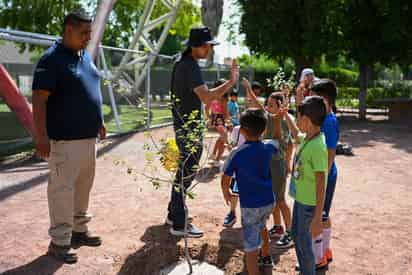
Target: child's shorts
[
  {"x": 253, "y": 222},
  {"x": 216, "y": 118},
  {"x": 279, "y": 176},
  {"x": 233, "y": 185}
]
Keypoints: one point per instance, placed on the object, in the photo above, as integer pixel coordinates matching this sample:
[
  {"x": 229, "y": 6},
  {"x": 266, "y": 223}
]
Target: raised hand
[
  {"x": 234, "y": 72},
  {"x": 246, "y": 83}
]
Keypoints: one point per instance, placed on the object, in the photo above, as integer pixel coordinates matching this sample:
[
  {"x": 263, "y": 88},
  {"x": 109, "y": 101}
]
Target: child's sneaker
[
  {"x": 285, "y": 241},
  {"x": 322, "y": 265},
  {"x": 230, "y": 220},
  {"x": 276, "y": 231},
  {"x": 329, "y": 255},
  {"x": 265, "y": 261}
]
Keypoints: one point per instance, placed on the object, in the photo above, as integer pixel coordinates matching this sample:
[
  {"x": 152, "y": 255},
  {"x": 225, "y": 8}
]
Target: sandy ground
[{"x": 371, "y": 213}]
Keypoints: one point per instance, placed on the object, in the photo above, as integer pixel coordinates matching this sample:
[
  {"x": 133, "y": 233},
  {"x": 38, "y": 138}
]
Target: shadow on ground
[
  {"x": 366, "y": 133},
  {"x": 43, "y": 265},
  {"x": 207, "y": 174},
  {"x": 160, "y": 250},
  {"x": 31, "y": 160}
]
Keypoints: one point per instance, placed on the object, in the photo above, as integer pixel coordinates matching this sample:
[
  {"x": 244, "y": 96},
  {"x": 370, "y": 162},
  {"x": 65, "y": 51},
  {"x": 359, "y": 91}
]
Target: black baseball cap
[
  {"x": 200, "y": 36},
  {"x": 234, "y": 93}
]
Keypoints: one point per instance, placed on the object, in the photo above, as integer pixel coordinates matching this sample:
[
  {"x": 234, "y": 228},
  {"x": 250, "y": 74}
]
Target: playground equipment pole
[
  {"x": 16, "y": 101},
  {"x": 99, "y": 25}
]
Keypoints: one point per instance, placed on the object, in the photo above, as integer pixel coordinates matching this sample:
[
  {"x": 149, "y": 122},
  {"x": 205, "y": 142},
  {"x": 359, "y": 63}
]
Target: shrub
[
  {"x": 401, "y": 88},
  {"x": 342, "y": 76},
  {"x": 347, "y": 96},
  {"x": 261, "y": 63}
]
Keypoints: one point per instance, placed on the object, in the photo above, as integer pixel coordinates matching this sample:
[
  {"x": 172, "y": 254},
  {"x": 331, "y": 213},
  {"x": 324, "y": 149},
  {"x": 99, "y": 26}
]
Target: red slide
[{"x": 16, "y": 101}]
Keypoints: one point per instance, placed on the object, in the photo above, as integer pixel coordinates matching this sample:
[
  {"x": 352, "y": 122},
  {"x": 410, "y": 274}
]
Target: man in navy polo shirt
[{"x": 68, "y": 118}]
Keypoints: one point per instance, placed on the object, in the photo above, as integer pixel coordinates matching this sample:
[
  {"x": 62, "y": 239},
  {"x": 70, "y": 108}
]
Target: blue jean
[
  {"x": 301, "y": 221},
  {"x": 190, "y": 153},
  {"x": 330, "y": 191},
  {"x": 253, "y": 222}
]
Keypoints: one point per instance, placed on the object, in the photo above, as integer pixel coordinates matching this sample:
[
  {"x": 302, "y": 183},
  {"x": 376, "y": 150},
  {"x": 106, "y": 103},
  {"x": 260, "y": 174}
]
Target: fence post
[{"x": 110, "y": 89}]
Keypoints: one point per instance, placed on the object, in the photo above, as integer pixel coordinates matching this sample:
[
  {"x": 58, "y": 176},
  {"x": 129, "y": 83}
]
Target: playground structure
[
  {"x": 136, "y": 58},
  {"x": 135, "y": 82}
]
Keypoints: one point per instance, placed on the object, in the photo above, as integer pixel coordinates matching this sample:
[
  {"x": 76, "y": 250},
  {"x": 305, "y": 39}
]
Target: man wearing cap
[
  {"x": 67, "y": 110},
  {"x": 188, "y": 92},
  {"x": 307, "y": 77}
]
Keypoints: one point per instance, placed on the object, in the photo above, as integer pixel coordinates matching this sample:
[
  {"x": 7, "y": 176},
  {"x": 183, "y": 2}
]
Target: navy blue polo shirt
[{"x": 74, "y": 107}]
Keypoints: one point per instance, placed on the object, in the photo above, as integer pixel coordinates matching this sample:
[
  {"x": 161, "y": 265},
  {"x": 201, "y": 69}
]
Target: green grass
[
  {"x": 133, "y": 118},
  {"x": 10, "y": 126},
  {"x": 10, "y": 131},
  {"x": 347, "y": 102}
]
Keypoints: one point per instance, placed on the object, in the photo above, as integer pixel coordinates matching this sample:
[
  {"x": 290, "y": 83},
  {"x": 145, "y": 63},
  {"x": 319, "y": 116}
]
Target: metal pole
[
  {"x": 148, "y": 107},
  {"x": 99, "y": 25},
  {"x": 161, "y": 41},
  {"x": 110, "y": 88},
  {"x": 20, "y": 39},
  {"x": 143, "y": 18}
]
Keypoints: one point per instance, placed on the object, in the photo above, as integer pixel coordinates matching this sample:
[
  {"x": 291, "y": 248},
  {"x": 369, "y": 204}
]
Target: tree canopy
[
  {"x": 46, "y": 16},
  {"x": 376, "y": 31},
  {"x": 366, "y": 31},
  {"x": 302, "y": 30}
]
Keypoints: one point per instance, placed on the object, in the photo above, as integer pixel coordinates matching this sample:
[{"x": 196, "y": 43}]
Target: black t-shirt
[
  {"x": 74, "y": 107},
  {"x": 186, "y": 105}
]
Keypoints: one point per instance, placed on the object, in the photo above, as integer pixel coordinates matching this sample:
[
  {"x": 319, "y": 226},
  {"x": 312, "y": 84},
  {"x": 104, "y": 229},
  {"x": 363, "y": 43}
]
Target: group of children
[{"x": 256, "y": 172}]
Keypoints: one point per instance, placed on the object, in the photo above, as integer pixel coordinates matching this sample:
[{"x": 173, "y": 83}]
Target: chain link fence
[{"x": 125, "y": 108}]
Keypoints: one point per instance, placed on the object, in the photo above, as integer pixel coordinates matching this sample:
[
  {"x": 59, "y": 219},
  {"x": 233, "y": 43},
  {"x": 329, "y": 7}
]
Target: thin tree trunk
[
  {"x": 363, "y": 89},
  {"x": 212, "y": 12}
]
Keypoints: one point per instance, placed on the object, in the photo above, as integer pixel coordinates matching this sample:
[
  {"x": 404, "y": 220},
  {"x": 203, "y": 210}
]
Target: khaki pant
[{"x": 72, "y": 168}]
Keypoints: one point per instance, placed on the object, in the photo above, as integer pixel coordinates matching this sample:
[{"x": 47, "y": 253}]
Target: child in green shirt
[{"x": 308, "y": 180}]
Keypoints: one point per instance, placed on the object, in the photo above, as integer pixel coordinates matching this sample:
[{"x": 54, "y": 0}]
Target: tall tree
[
  {"x": 302, "y": 30},
  {"x": 212, "y": 13},
  {"x": 376, "y": 31},
  {"x": 46, "y": 16}
]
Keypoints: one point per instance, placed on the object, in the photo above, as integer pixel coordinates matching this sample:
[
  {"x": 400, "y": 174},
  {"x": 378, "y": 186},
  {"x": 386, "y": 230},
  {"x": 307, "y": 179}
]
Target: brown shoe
[
  {"x": 62, "y": 253},
  {"x": 85, "y": 239}
]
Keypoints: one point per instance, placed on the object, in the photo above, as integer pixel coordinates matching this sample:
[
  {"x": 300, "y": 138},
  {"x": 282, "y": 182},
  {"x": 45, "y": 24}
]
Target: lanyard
[{"x": 298, "y": 154}]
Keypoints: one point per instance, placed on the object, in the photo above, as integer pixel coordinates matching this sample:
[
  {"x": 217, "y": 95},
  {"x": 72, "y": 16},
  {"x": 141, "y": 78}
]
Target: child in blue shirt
[
  {"x": 251, "y": 164},
  {"x": 327, "y": 89},
  {"x": 233, "y": 109}
]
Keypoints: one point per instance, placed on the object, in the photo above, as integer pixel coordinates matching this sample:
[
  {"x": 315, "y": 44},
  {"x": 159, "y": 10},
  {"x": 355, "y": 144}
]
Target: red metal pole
[{"x": 16, "y": 101}]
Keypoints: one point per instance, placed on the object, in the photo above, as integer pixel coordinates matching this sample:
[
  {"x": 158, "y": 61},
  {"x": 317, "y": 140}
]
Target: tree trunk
[
  {"x": 364, "y": 70},
  {"x": 406, "y": 72},
  {"x": 212, "y": 13}
]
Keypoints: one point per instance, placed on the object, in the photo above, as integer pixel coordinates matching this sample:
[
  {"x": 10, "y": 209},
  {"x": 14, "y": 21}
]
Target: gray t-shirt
[{"x": 186, "y": 76}]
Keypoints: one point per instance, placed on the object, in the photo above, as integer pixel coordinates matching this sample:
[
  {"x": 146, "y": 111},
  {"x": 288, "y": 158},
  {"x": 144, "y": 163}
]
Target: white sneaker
[{"x": 192, "y": 232}]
